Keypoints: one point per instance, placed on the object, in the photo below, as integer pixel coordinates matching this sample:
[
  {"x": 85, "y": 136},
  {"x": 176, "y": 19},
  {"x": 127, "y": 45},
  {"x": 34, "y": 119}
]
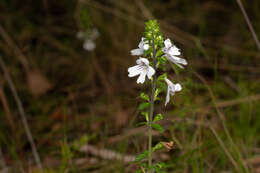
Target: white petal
[
  {"x": 134, "y": 71},
  {"x": 176, "y": 60},
  {"x": 180, "y": 60},
  {"x": 146, "y": 46},
  {"x": 169, "y": 83},
  {"x": 167, "y": 43},
  {"x": 89, "y": 45},
  {"x": 137, "y": 52},
  {"x": 142, "y": 61},
  {"x": 177, "y": 87},
  {"x": 167, "y": 99},
  {"x": 141, "y": 78},
  {"x": 150, "y": 72},
  {"x": 174, "y": 51},
  {"x": 141, "y": 44}
]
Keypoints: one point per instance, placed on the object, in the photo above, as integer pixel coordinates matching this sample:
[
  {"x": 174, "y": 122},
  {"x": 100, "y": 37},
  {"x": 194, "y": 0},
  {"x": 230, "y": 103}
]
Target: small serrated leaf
[
  {"x": 158, "y": 146},
  {"x": 142, "y": 156},
  {"x": 145, "y": 114},
  {"x": 158, "y": 117},
  {"x": 157, "y": 92},
  {"x": 159, "y": 53},
  {"x": 161, "y": 77},
  {"x": 143, "y": 105},
  {"x": 158, "y": 127},
  {"x": 145, "y": 97}
]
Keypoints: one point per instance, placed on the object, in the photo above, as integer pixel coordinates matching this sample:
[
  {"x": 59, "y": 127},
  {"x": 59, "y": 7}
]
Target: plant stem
[{"x": 151, "y": 111}]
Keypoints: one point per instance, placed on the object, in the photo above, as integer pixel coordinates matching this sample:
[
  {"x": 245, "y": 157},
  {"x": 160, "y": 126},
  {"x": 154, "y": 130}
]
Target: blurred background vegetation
[{"x": 68, "y": 61}]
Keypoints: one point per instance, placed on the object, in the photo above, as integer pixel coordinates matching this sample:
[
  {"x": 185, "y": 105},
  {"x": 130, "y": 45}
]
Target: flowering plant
[{"x": 155, "y": 52}]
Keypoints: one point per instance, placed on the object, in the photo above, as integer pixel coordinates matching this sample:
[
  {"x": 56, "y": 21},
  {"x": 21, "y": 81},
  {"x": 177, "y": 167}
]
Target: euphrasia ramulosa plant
[{"x": 154, "y": 54}]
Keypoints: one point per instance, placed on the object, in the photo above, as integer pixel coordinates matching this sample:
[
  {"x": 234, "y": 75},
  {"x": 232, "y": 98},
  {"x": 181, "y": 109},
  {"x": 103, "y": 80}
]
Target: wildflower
[
  {"x": 142, "y": 68},
  {"x": 89, "y": 45},
  {"x": 142, "y": 46},
  {"x": 172, "y": 88},
  {"x": 89, "y": 38},
  {"x": 171, "y": 53}
]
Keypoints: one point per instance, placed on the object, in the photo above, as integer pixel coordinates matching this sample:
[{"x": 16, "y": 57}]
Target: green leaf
[
  {"x": 145, "y": 97},
  {"x": 139, "y": 171},
  {"x": 141, "y": 124},
  {"x": 158, "y": 117},
  {"x": 142, "y": 156},
  {"x": 158, "y": 127},
  {"x": 161, "y": 85},
  {"x": 145, "y": 114},
  {"x": 161, "y": 165},
  {"x": 143, "y": 105},
  {"x": 161, "y": 77},
  {"x": 157, "y": 92},
  {"x": 158, "y": 146},
  {"x": 159, "y": 53}
]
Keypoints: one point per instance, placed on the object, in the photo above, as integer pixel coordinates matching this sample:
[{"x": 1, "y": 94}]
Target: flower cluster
[
  {"x": 154, "y": 52},
  {"x": 143, "y": 68}
]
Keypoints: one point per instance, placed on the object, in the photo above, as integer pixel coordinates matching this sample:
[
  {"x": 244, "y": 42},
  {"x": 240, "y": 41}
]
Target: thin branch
[
  {"x": 22, "y": 113},
  {"x": 225, "y": 149},
  {"x": 12, "y": 45},
  {"x": 7, "y": 111},
  {"x": 249, "y": 24},
  {"x": 107, "y": 154},
  {"x": 3, "y": 163}
]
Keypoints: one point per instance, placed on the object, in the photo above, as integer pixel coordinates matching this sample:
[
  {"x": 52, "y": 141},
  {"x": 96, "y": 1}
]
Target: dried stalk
[
  {"x": 251, "y": 28},
  {"x": 22, "y": 113},
  {"x": 106, "y": 154}
]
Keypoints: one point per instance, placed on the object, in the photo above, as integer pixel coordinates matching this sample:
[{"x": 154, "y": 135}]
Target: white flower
[
  {"x": 89, "y": 45},
  {"x": 142, "y": 46},
  {"x": 89, "y": 38},
  {"x": 142, "y": 68},
  {"x": 172, "y": 88},
  {"x": 171, "y": 53}
]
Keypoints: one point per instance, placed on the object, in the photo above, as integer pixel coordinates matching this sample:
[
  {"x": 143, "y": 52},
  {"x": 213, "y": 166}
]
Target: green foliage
[
  {"x": 85, "y": 19},
  {"x": 145, "y": 97},
  {"x": 158, "y": 127},
  {"x": 156, "y": 94},
  {"x": 145, "y": 114},
  {"x": 141, "y": 156},
  {"x": 157, "y": 117},
  {"x": 158, "y": 146},
  {"x": 143, "y": 105},
  {"x": 66, "y": 157}
]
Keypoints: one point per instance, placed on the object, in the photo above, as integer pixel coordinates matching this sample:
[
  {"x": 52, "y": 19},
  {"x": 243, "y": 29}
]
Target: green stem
[{"x": 151, "y": 111}]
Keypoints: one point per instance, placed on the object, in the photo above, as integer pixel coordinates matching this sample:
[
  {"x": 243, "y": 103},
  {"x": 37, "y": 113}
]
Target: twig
[
  {"x": 2, "y": 162},
  {"x": 249, "y": 24},
  {"x": 106, "y": 154},
  {"x": 17, "y": 51},
  {"x": 22, "y": 113},
  {"x": 225, "y": 149},
  {"x": 7, "y": 111}
]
